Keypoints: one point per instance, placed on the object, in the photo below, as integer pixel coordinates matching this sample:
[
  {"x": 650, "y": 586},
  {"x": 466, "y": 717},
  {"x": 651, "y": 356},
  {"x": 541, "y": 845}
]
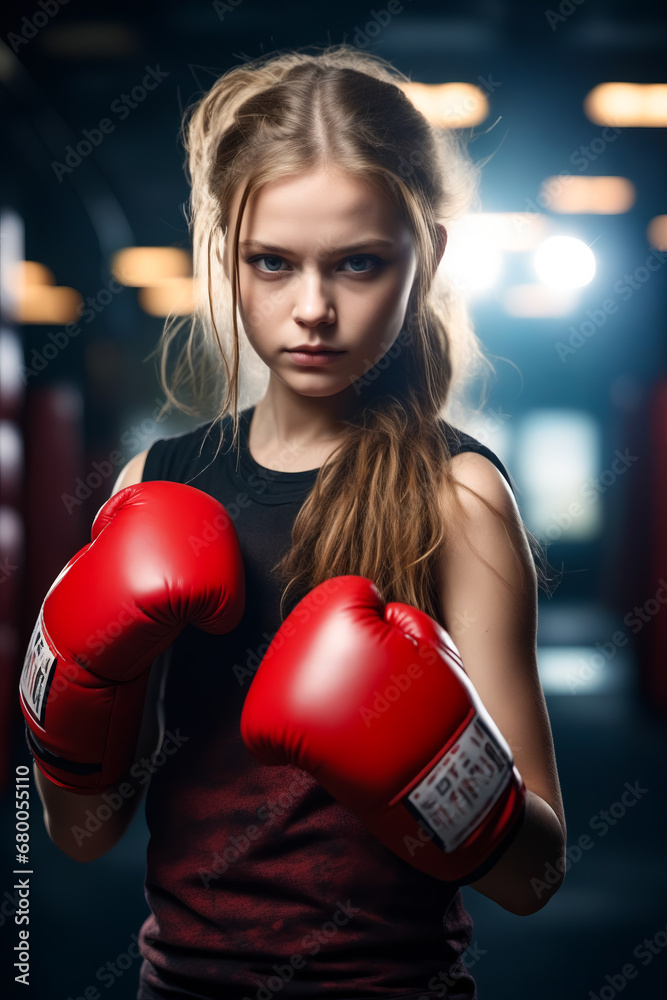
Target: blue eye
[
  {"x": 362, "y": 256},
  {"x": 376, "y": 261},
  {"x": 253, "y": 259}
]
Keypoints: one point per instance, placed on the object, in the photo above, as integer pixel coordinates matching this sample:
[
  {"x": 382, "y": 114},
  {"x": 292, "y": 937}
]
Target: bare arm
[
  {"x": 67, "y": 814},
  {"x": 494, "y": 626}
]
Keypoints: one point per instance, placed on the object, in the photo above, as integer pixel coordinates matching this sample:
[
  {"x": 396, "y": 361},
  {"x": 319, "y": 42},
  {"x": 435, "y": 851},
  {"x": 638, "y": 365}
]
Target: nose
[{"x": 313, "y": 303}]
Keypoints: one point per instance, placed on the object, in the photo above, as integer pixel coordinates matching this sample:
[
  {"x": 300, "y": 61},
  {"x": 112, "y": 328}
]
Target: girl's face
[{"x": 306, "y": 279}]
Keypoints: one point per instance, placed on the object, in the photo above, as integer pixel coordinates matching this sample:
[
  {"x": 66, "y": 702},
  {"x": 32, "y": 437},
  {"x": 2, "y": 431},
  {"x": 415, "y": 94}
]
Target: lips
[
  {"x": 313, "y": 350},
  {"x": 314, "y": 358}
]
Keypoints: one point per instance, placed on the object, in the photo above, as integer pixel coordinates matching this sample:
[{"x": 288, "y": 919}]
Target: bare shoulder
[
  {"x": 480, "y": 474},
  {"x": 484, "y": 493},
  {"x": 479, "y": 483},
  {"x": 131, "y": 473}
]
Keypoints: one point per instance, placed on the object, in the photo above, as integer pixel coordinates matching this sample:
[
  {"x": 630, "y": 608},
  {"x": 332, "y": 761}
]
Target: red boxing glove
[
  {"x": 162, "y": 555},
  {"x": 373, "y": 701}
]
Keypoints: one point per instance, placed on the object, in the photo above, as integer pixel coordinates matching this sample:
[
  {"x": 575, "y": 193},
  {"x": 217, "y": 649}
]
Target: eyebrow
[{"x": 259, "y": 245}]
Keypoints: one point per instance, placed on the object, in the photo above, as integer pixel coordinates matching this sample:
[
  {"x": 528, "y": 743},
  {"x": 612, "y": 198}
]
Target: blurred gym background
[{"x": 564, "y": 267}]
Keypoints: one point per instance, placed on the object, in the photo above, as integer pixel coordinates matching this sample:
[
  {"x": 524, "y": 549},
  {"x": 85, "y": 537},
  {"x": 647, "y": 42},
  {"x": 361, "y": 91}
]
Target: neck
[{"x": 285, "y": 417}]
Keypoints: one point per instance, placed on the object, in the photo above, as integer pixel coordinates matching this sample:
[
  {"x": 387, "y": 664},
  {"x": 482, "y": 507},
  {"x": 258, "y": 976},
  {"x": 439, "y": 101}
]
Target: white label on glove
[
  {"x": 38, "y": 669},
  {"x": 453, "y": 799}
]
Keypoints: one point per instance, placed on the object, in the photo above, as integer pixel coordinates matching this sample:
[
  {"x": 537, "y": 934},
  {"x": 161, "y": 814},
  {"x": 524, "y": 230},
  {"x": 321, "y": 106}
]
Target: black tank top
[{"x": 259, "y": 883}]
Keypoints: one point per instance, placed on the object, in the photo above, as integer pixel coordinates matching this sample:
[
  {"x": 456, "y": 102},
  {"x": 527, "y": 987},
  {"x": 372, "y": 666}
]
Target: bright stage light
[
  {"x": 147, "y": 266},
  {"x": 472, "y": 262},
  {"x": 594, "y": 195},
  {"x": 657, "y": 232},
  {"x": 623, "y": 105},
  {"x": 565, "y": 262},
  {"x": 448, "y": 105}
]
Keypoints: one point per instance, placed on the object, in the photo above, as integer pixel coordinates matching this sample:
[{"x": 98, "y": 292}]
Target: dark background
[{"x": 131, "y": 190}]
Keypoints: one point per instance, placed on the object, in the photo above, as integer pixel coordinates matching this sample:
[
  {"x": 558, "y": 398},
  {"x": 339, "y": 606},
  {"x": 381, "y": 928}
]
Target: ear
[{"x": 442, "y": 243}]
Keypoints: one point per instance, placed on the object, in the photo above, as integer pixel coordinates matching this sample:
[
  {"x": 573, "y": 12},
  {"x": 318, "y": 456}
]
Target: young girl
[{"x": 320, "y": 200}]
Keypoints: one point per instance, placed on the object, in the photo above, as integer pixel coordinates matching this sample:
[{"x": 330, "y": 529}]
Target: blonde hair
[{"x": 385, "y": 502}]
